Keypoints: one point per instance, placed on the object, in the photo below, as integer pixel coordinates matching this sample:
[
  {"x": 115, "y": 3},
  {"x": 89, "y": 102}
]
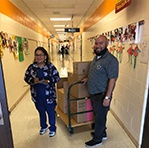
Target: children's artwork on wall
[
  {"x": 1, "y": 48},
  {"x": 120, "y": 49},
  {"x": 112, "y": 49},
  {"x": 15, "y": 47},
  {"x": 20, "y": 49},
  {"x": 25, "y": 46},
  {"x": 132, "y": 32},
  {"x": 4, "y": 39},
  {"x": 111, "y": 37},
  {"x": 130, "y": 53},
  {"x": 120, "y": 32},
  {"x": 107, "y": 35},
  {"x": 10, "y": 43},
  {"x": 117, "y": 50},
  {"x": 140, "y": 30},
  {"x": 117, "y": 35},
  {"x": 120, "y": 37},
  {"x": 124, "y": 35},
  {"x": 133, "y": 51}
]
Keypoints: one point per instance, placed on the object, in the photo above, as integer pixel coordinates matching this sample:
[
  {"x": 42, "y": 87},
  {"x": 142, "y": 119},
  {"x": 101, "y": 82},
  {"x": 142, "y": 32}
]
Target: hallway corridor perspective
[{"x": 25, "y": 121}]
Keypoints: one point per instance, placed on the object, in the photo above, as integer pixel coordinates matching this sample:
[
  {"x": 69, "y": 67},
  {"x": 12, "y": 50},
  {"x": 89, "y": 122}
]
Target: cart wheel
[
  {"x": 93, "y": 125},
  {"x": 71, "y": 131}
]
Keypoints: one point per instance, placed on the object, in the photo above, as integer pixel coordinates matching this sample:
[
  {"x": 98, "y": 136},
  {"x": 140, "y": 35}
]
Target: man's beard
[{"x": 100, "y": 53}]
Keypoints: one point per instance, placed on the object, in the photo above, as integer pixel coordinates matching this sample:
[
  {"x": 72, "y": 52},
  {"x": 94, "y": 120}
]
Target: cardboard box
[
  {"x": 62, "y": 101},
  {"x": 60, "y": 82},
  {"x": 81, "y": 67},
  {"x": 75, "y": 106},
  {"x": 89, "y": 115},
  {"x": 78, "y": 90},
  {"x": 62, "y": 98},
  {"x": 80, "y": 106}
]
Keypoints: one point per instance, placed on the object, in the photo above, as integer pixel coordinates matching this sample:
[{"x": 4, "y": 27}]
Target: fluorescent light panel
[
  {"x": 61, "y": 32},
  {"x": 60, "y": 25},
  {"x": 60, "y": 19},
  {"x": 62, "y": 35},
  {"x": 59, "y": 29},
  {"x": 62, "y": 6}
]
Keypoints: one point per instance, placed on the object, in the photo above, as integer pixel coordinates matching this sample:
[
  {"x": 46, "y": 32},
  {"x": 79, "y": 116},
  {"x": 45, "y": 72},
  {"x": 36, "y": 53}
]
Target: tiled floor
[{"x": 25, "y": 123}]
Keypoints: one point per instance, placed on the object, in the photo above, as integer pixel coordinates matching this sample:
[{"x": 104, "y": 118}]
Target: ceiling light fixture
[
  {"x": 60, "y": 19},
  {"x": 61, "y": 32},
  {"x": 59, "y": 29},
  {"x": 60, "y": 25},
  {"x": 62, "y": 6}
]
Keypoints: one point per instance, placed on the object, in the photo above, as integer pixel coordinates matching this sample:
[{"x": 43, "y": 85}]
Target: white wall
[{"x": 130, "y": 92}]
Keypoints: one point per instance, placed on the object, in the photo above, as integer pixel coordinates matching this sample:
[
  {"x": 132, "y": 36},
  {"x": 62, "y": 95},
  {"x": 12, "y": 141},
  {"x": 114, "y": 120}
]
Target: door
[
  {"x": 145, "y": 140},
  {"x": 5, "y": 128}
]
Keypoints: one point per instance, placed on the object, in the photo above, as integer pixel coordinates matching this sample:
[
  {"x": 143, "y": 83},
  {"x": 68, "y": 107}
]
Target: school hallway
[{"x": 25, "y": 121}]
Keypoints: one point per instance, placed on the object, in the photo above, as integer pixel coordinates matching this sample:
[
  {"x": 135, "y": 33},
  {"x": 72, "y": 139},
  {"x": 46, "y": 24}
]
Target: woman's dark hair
[{"x": 44, "y": 52}]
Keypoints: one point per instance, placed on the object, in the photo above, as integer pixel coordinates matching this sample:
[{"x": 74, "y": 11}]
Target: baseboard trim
[
  {"x": 125, "y": 129},
  {"x": 17, "y": 102}
]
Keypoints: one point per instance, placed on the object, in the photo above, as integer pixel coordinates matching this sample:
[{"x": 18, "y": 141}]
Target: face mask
[{"x": 102, "y": 52}]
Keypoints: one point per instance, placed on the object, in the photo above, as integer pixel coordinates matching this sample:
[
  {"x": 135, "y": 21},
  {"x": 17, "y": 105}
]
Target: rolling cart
[{"x": 66, "y": 118}]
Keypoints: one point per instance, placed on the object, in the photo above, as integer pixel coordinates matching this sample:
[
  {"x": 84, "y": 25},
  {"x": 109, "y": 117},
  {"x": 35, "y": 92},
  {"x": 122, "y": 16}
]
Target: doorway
[
  {"x": 5, "y": 127},
  {"x": 145, "y": 140}
]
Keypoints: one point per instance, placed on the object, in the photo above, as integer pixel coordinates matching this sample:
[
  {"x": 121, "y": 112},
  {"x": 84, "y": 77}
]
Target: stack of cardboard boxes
[
  {"x": 80, "y": 71},
  {"x": 62, "y": 97}
]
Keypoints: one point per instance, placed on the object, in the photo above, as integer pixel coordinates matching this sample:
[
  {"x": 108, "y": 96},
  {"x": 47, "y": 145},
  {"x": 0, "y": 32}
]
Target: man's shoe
[
  {"x": 92, "y": 143},
  {"x": 52, "y": 133},
  {"x": 104, "y": 137},
  {"x": 92, "y": 134},
  {"x": 43, "y": 130}
]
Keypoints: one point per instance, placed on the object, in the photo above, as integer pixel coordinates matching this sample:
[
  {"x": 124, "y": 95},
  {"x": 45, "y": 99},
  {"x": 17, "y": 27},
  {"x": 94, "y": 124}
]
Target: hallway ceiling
[{"x": 78, "y": 10}]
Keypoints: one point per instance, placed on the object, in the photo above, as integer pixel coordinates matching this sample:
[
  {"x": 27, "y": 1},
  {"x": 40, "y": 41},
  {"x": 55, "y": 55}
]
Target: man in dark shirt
[{"x": 101, "y": 81}]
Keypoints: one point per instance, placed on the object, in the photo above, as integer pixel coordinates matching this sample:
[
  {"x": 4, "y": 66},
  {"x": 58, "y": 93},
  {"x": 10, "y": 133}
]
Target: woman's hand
[
  {"x": 36, "y": 80},
  {"x": 45, "y": 81}
]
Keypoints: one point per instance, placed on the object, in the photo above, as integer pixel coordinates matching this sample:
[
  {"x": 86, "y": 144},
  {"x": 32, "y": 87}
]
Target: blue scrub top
[{"x": 40, "y": 87}]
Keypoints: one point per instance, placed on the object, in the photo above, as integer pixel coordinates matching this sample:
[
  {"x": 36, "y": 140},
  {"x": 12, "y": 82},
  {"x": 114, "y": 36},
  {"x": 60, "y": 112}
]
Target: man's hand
[
  {"x": 106, "y": 102},
  {"x": 84, "y": 80}
]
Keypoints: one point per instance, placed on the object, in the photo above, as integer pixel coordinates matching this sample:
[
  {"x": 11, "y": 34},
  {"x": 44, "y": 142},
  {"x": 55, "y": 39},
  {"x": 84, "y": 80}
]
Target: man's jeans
[{"x": 100, "y": 112}]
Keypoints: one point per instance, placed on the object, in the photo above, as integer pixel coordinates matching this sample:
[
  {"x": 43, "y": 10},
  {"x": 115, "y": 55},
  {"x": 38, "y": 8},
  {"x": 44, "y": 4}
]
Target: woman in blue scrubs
[{"x": 42, "y": 76}]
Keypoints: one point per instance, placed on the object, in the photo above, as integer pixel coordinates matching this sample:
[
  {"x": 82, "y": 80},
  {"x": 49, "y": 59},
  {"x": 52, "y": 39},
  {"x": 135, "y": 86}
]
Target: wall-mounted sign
[
  {"x": 66, "y": 40},
  {"x": 72, "y": 30},
  {"x": 121, "y": 4}
]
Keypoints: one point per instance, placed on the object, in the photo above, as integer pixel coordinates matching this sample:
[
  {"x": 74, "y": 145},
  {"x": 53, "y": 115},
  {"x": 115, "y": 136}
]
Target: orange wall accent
[
  {"x": 105, "y": 8},
  {"x": 10, "y": 10}
]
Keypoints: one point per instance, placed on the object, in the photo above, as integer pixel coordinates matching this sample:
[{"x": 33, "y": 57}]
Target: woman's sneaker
[
  {"x": 52, "y": 133},
  {"x": 43, "y": 130}
]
